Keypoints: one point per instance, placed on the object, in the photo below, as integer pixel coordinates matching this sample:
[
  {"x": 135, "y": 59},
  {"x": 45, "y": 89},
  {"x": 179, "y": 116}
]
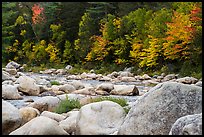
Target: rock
[
  {"x": 126, "y": 74},
  {"x": 199, "y": 83},
  {"x": 128, "y": 79},
  {"x": 68, "y": 67},
  {"x": 100, "y": 118},
  {"x": 6, "y": 76},
  {"x": 125, "y": 90},
  {"x": 85, "y": 91},
  {"x": 45, "y": 82},
  {"x": 128, "y": 69},
  {"x": 40, "y": 126},
  {"x": 7, "y": 82},
  {"x": 105, "y": 78},
  {"x": 74, "y": 77},
  {"x": 169, "y": 77},
  {"x": 10, "y": 92},
  {"x": 105, "y": 87},
  {"x": 12, "y": 65},
  {"x": 146, "y": 77},
  {"x": 101, "y": 92},
  {"x": 187, "y": 125},
  {"x": 187, "y": 80},
  {"x": 11, "y": 118},
  {"x": 28, "y": 113},
  {"x": 114, "y": 74},
  {"x": 86, "y": 100},
  {"x": 71, "y": 96},
  {"x": 28, "y": 85},
  {"x": 155, "y": 112},
  {"x": 61, "y": 71},
  {"x": 11, "y": 71},
  {"x": 52, "y": 115},
  {"x": 47, "y": 93},
  {"x": 47, "y": 103},
  {"x": 77, "y": 84},
  {"x": 69, "y": 124},
  {"x": 67, "y": 88}
]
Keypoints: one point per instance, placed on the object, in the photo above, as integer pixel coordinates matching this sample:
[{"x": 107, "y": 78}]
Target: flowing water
[{"x": 130, "y": 99}]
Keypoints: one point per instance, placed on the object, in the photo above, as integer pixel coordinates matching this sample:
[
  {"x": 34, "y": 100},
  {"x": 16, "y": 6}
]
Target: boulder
[
  {"x": 199, "y": 83},
  {"x": 40, "y": 126},
  {"x": 146, "y": 77},
  {"x": 187, "y": 125},
  {"x": 155, "y": 112},
  {"x": 11, "y": 118},
  {"x": 47, "y": 103},
  {"x": 28, "y": 85},
  {"x": 105, "y": 87},
  {"x": 125, "y": 74},
  {"x": 105, "y": 78},
  {"x": 125, "y": 90},
  {"x": 67, "y": 88},
  {"x": 12, "y": 65},
  {"x": 11, "y": 71},
  {"x": 187, "y": 80},
  {"x": 7, "y": 82},
  {"x": 77, "y": 84},
  {"x": 85, "y": 91},
  {"x": 6, "y": 76},
  {"x": 69, "y": 124},
  {"x": 128, "y": 79},
  {"x": 10, "y": 92},
  {"x": 28, "y": 113},
  {"x": 52, "y": 115},
  {"x": 169, "y": 77},
  {"x": 100, "y": 118},
  {"x": 68, "y": 67}
]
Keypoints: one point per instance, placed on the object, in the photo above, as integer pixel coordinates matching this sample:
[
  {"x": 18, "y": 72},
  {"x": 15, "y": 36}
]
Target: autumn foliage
[{"x": 38, "y": 15}]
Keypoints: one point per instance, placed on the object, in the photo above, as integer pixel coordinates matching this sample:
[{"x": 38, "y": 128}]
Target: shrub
[
  {"x": 121, "y": 101},
  {"x": 67, "y": 105},
  {"x": 54, "y": 83}
]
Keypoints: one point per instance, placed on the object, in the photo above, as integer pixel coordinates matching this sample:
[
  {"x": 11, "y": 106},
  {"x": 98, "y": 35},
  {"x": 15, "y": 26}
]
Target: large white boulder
[
  {"x": 69, "y": 124},
  {"x": 40, "y": 126},
  {"x": 28, "y": 85},
  {"x": 100, "y": 118},
  {"x": 155, "y": 112},
  {"x": 10, "y": 92},
  {"x": 67, "y": 88},
  {"x": 47, "y": 103},
  {"x": 11, "y": 118},
  {"x": 187, "y": 125}
]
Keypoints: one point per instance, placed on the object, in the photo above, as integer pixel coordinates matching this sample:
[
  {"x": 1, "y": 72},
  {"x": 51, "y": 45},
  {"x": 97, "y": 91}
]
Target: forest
[{"x": 148, "y": 36}]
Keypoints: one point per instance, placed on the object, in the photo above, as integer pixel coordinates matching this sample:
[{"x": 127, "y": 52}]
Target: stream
[{"x": 130, "y": 99}]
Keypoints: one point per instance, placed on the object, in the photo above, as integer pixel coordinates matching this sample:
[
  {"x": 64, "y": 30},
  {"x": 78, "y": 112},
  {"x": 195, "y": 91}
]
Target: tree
[{"x": 9, "y": 15}]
